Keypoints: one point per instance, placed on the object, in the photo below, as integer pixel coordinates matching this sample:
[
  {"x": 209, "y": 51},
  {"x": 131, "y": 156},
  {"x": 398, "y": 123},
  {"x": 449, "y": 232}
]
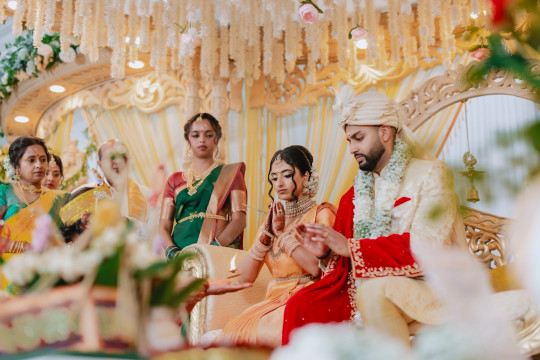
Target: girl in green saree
[{"x": 206, "y": 203}]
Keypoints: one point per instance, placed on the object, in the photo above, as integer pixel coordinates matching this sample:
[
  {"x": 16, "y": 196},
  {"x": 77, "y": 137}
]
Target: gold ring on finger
[{"x": 325, "y": 235}]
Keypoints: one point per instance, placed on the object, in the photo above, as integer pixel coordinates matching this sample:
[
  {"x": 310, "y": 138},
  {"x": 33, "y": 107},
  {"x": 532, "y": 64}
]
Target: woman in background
[
  {"x": 205, "y": 204},
  {"x": 54, "y": 174}
]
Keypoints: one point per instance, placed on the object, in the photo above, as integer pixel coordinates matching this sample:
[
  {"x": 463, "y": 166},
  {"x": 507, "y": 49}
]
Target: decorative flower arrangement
[
  {"x": 309, "y": 11},
  {"x": 516, "y": 22},
  {"x": 22, "y": 60},
  {"x": 374, "y": 218},
  {"x": 358, "y": 33},
  {"x": 8, "y": 173}
]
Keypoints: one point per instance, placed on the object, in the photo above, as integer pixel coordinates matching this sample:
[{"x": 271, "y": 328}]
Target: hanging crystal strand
[
  {"x": 475, "y": 7},
  {"x": 116, "y": 27},
  {"x": 37, "y": 24},
  {"x": 171, "y": 10},
  {"x": 393, "y": 30},
  {"x": 181, "y": 20},
  {"x": 371, "y": 23},
  {"x": 158, "y": 36},
  {"x": 278, "y": 66},
  {"x": 324, "y": 48},
  {"x": 31, "y": 14},
  {"x": 50, "y": 11},
  {"x": 224, "y": 51},
  {"x": 85, "y": 15},
  {"x": 98, "y": 28},
  {"x": 342, "y": 39},
  {"x": 67, "y": 24},
  {"x": 291, "y": 43},
  {"x": 257, "y": 54},
  {"x": 443, "y": 32},
  {"x": 78, "y": 19},
  {"x": 381, "y": 58},
  {"x": 268, "y": 44},
  {"x": 455, "y": 14},
  {"x": 211, "y": 49},
  {"x": 143, "y": 11},
  {"x": 464, "y": 12},
  {"x": 431, "y": 13}
]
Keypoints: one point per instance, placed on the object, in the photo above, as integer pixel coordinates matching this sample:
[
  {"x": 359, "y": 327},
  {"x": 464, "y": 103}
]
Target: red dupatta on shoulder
[{"x": 329, "y": 299}]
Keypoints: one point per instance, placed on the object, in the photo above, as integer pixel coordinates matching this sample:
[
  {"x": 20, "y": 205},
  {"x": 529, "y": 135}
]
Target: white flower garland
[
  {"x": 372, "y": 221},
  {"x": 10, "y": 170}
]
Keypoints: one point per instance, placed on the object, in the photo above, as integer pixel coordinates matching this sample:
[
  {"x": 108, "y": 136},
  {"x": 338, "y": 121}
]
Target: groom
[{"x": 402, "y": 202}]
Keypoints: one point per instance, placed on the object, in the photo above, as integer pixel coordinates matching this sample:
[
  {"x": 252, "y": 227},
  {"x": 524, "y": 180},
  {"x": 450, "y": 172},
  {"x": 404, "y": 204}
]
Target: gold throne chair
[{"x": 212, "y": 313}]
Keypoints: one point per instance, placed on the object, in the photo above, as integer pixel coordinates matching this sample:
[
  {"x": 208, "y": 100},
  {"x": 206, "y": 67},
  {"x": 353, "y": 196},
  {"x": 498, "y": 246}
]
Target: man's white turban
[
  {"x": 374, "y": 109},
  {"x": 368, "y": 108}
]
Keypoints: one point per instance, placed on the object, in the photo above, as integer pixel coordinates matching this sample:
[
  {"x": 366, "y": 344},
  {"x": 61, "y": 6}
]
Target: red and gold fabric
[{"x": 426, "y": 189}]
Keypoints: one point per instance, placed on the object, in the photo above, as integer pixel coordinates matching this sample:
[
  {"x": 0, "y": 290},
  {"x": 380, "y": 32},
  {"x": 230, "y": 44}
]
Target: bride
[{"x": 290, "y": 264}]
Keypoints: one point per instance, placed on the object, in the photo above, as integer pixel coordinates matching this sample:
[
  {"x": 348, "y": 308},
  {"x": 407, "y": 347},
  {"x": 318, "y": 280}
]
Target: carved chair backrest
[
  {"x": 485, "y": 236},
  {"x": 484, "y": 231}
]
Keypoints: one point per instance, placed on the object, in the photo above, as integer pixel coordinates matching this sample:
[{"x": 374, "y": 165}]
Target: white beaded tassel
[
  {"x": 257, "y": 55},
  {"x": 341, "y": 35},
  {"x": 224, "y": 51},
  {"x": 50, "y": 11},
  {"x": 268, "y": 45},
  {"x": 67, "y": 25},
  {"x": 77, "y": 19},
  {"x": 37, "y": 24}
]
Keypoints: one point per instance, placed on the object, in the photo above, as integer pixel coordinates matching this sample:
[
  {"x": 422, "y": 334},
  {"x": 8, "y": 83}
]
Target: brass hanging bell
[{"x": 472, "y": 195}]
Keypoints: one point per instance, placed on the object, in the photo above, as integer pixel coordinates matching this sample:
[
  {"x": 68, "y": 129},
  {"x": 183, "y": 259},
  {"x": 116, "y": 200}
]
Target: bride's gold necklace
[{"x": 193, "y": 177}]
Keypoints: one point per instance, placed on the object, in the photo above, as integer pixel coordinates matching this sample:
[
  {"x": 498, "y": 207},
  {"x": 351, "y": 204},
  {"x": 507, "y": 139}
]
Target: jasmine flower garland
[
  {"x": 10, "y": 170},
  {"x": 374, "y": 218}
]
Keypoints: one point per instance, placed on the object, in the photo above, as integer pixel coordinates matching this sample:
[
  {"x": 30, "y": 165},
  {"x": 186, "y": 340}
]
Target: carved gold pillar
[
  {"x": 193, "y": 101},
  {"x": 219, "y": 107}
]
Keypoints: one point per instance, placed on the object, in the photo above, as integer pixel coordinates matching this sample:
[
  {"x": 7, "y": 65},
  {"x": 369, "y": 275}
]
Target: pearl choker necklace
[{"x": 295, "y": 208}]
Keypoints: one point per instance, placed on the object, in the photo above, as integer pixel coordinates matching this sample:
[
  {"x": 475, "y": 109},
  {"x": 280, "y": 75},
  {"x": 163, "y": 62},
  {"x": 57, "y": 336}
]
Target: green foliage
[
  {"x": 21, "y": 60},
  {"x": 166, "y": 289}
]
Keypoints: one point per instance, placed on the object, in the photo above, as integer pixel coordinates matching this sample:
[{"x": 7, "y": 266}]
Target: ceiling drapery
[{"x": 252, "y": 38}]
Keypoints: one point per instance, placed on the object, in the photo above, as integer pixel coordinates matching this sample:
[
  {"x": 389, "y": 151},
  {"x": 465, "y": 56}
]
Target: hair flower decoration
[{"x": 10, "y": 170}]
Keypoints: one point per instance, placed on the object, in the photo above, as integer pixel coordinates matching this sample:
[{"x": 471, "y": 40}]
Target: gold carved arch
[
  {"x": 453, "y": 86},
  {"x": 149, "y": 93}
]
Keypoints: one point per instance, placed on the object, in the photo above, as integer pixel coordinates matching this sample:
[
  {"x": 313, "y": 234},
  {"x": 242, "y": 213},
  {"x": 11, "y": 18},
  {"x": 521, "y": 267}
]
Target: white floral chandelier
[{"x": 250, "y": 38}]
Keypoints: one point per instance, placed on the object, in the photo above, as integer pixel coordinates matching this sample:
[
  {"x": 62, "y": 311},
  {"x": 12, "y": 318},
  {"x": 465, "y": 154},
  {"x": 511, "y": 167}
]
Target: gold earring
[{"x": 17, "y": 175}]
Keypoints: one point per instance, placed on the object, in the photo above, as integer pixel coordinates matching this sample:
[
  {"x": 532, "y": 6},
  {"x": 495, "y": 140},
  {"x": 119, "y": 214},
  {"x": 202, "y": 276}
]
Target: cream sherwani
[{"x": 390, "y": 298}]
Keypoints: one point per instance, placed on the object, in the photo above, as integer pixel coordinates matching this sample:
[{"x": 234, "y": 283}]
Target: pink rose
[
  {"x": 41, "y": 233},
  {"x": 189, "y": 39},
  {"x": 358, "y": 33},
  {"x": 308, "y": 13},
  {"x": 481, "y": 54}
]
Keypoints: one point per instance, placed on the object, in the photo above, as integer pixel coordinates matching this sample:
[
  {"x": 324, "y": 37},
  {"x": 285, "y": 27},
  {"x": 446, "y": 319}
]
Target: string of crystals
[{"x": 248, "y": 38}]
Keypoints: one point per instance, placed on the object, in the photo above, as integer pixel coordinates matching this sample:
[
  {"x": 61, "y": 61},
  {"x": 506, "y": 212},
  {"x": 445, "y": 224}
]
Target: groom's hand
[{"x": 326, "y": 235}]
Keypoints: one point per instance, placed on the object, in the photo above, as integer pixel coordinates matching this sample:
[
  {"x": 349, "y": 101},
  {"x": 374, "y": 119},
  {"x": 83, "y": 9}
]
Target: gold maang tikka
[
  {"x": 199, "y": 118},
  {"x": 278, "y": 160}
]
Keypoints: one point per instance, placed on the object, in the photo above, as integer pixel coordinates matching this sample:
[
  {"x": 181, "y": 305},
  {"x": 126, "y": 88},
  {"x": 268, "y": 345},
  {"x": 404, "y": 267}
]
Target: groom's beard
[{"x": 371, "y": 159}]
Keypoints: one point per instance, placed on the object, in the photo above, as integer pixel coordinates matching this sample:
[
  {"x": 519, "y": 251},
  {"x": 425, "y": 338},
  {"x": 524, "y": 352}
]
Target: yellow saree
[{"x": 18, "y": 227}]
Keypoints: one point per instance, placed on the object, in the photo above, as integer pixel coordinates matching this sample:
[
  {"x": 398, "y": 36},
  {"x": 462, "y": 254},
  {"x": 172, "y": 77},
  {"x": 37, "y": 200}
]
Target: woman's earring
[
  {"x": 189, "y": 153},
  {"x": 305, "y": 190},
  {"x": 17, "y": 176}
]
